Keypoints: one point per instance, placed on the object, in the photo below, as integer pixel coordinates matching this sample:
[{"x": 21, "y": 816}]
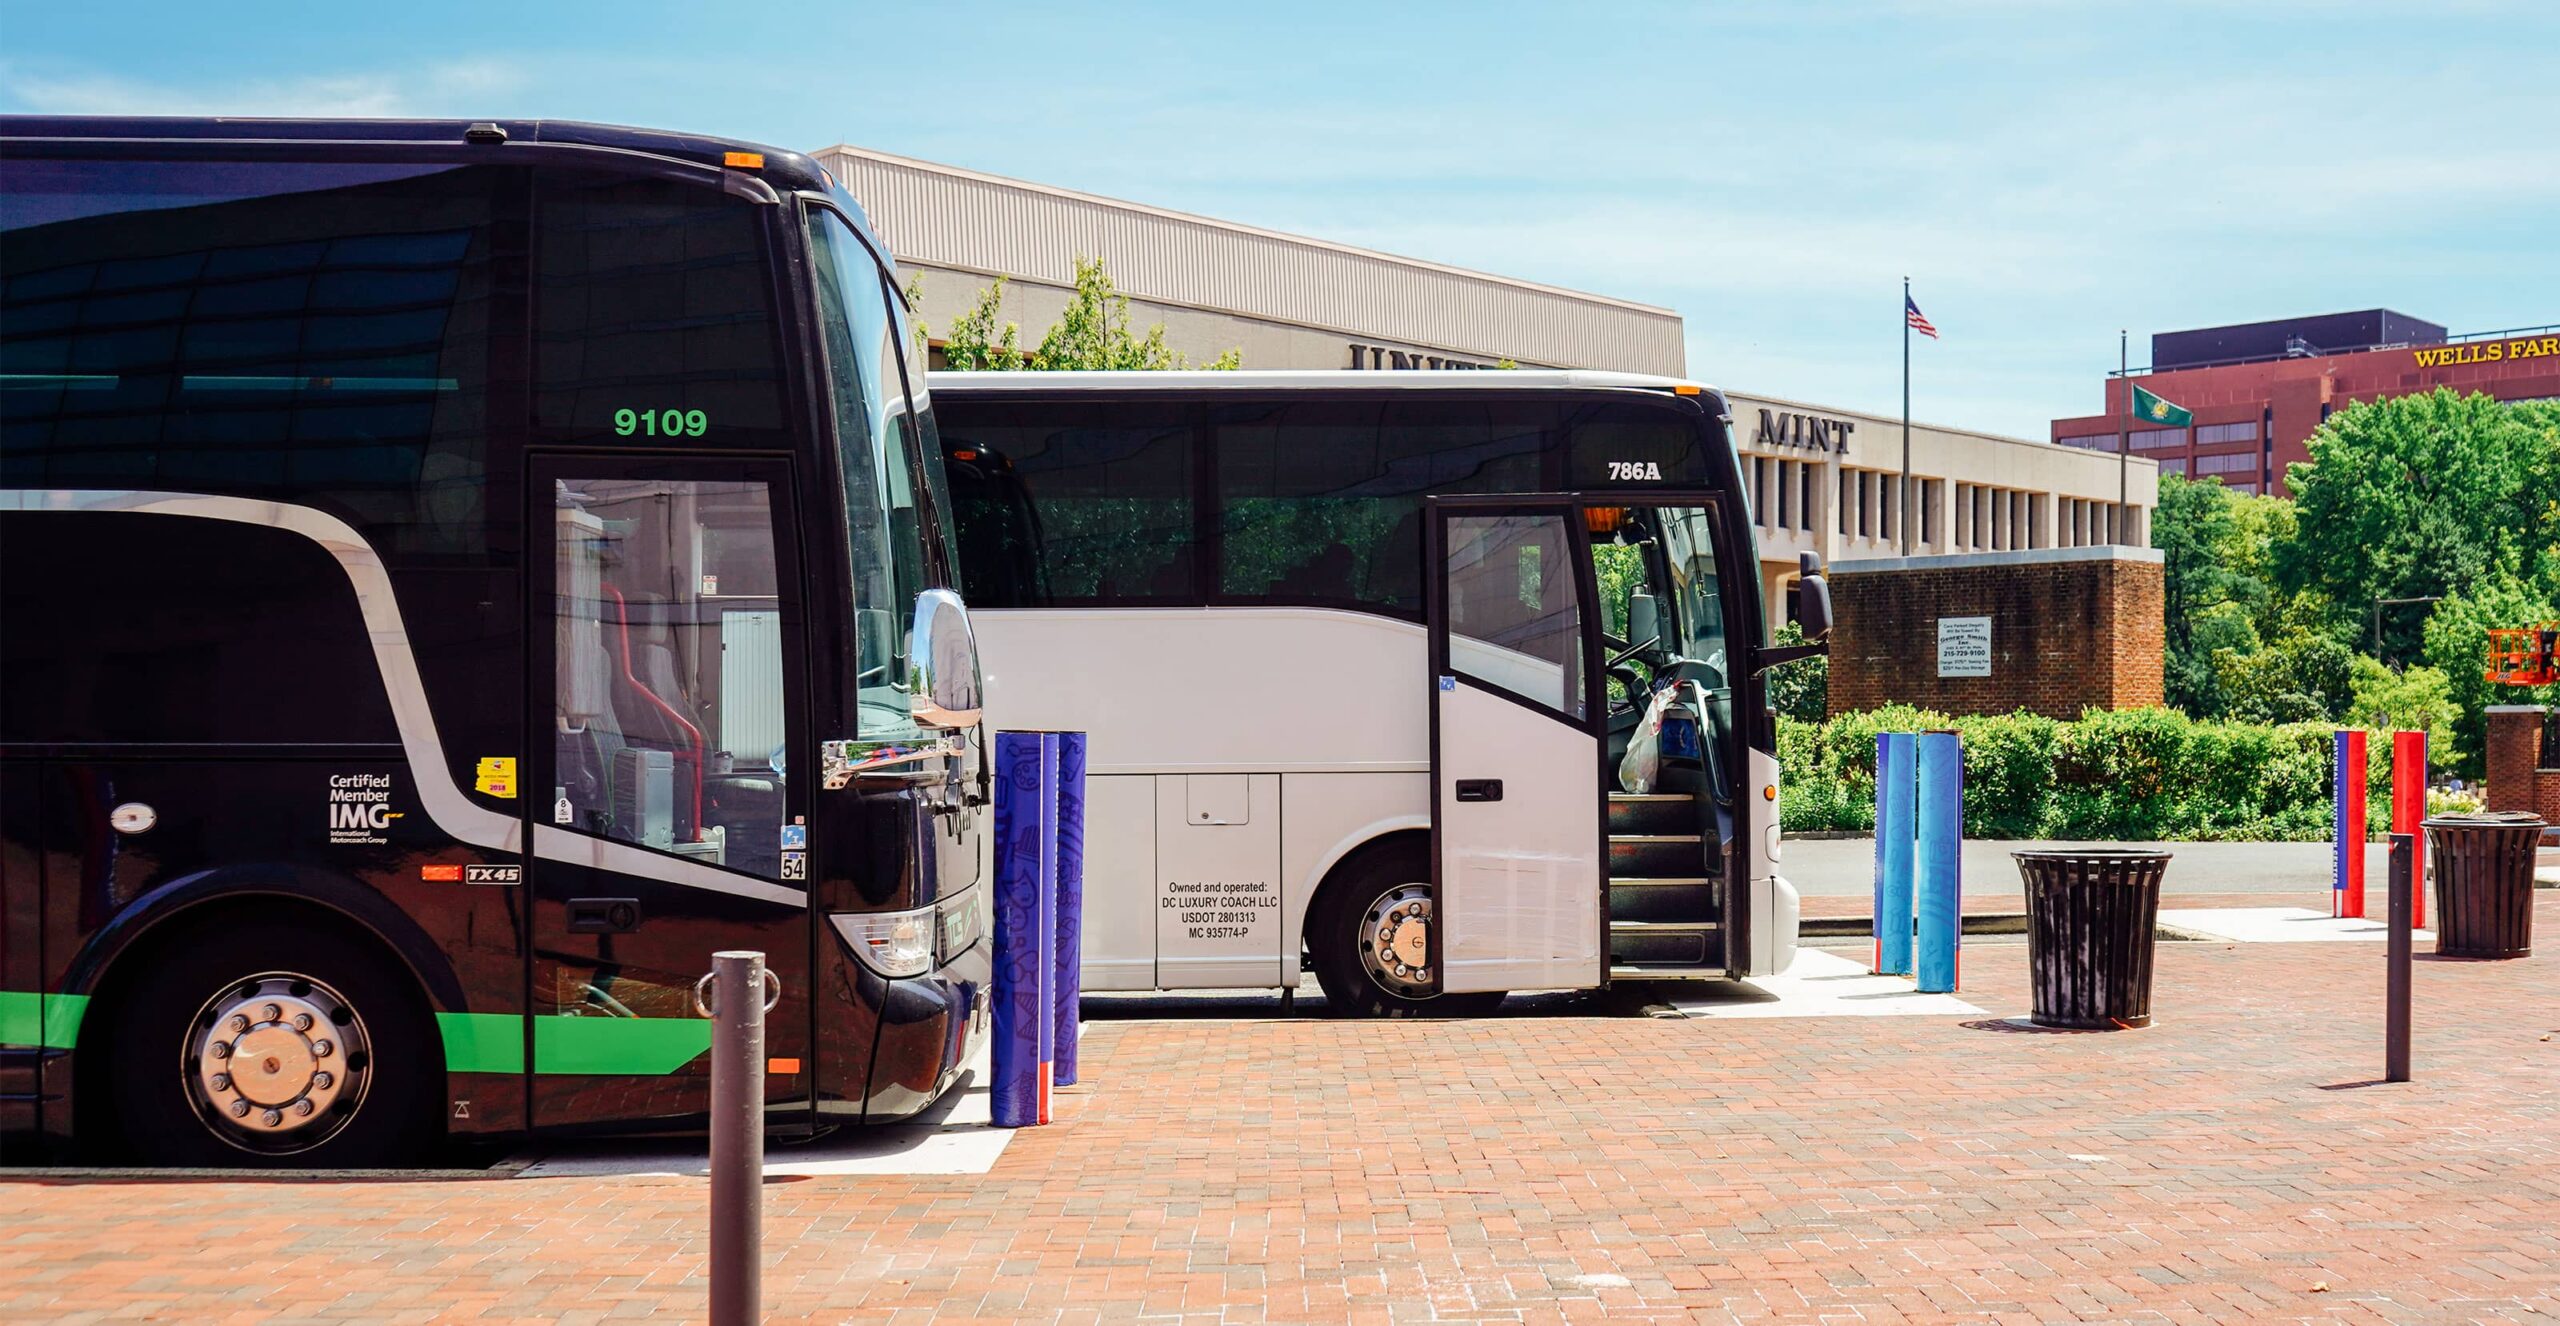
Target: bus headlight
[
  {"x": 909, "y": 943},
  {"x": 893, "y": 944}
]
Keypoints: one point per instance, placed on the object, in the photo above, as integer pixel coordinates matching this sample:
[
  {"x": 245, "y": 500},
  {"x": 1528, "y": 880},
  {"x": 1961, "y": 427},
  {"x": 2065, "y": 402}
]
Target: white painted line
[
  {"x": 2279, "y": 925},
  {"x": 953, "y": 1137},
  {"x": 1818, "y": 985}
]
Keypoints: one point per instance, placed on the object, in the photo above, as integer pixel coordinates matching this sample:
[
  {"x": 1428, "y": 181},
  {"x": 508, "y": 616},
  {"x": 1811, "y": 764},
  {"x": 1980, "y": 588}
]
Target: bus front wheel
[
  {"x": 1376, "y": 941},
  {"x": 270, "y": 1046}
]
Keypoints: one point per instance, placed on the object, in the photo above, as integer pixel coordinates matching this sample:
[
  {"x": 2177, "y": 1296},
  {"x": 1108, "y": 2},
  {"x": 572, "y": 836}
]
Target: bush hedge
[{"x": 2121, "y": 775}]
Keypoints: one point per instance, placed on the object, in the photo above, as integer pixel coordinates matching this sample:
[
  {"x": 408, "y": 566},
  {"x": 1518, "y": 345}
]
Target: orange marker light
[
  {"x": 742, "y": 160},
  {"x": 780, "y": 1067},
  {"x": 1684, "y": 389},
  {"x": 1769, "y": 793}
]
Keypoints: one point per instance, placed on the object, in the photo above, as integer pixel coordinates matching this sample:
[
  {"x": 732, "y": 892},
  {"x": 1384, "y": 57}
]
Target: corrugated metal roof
[{"x": 941, "y": 216}]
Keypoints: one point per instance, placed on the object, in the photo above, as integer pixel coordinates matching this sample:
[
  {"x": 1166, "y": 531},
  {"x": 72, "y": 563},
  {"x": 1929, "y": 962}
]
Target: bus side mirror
[
  {"x": 1813, "y": 607},
  {"x": 942, "y": 662},
  {"x": 1644, "y": 618},
  {"x": 1813, "y": 597}
]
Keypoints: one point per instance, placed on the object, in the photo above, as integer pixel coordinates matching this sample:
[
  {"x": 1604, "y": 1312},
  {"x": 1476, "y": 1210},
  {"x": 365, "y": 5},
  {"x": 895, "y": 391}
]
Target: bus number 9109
[{"x": 661, "y": 423}]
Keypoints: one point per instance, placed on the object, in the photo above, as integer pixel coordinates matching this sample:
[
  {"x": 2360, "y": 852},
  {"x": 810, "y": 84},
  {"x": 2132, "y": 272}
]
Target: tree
[
  {"x": 2304, "y": 675},
  {"x": 2418, "y": 699},
  {"x": 2420, "y": 496},
  {"x": 2457, "y": 646},
  {"x": 1091, "y": 333},
  {"x": 2195, "y": 529},
  {"x": 1802, "y": 689}
]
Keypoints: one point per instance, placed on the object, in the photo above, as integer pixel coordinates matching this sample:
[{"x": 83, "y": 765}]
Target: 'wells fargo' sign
[{"x": 2487, "y": 352}]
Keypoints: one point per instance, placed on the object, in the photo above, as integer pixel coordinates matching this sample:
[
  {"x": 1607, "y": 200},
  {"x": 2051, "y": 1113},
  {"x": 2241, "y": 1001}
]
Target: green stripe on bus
[
  {"x": 482, "y": 1042},
  {"x": 618, "y": 1045},
  {"x": 49, "y": 1021},
  {"x": 494, "y": 1043}
]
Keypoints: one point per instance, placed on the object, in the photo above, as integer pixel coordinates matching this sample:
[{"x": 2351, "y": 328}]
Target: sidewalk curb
[{"x": 1975, "y": 923}]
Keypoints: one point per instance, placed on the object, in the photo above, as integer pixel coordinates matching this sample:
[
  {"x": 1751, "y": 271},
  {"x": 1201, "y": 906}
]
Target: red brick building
[{"x": 2260, "y": 389}]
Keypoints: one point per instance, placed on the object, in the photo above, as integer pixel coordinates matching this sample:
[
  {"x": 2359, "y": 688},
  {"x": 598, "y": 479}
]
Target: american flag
[{"x": 1912, "y": 317}]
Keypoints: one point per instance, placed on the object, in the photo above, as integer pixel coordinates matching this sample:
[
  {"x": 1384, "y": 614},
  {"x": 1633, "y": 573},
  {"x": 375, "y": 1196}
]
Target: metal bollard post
[
  {"x": 2400, "y": 940},
  {"x": 741, "y": 991}
]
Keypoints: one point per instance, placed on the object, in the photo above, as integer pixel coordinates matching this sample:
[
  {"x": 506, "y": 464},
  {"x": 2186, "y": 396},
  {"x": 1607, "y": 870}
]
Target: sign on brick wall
[{"x": 1964, "y": 646}]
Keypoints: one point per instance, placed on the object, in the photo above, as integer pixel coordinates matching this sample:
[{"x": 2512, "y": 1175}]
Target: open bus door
[{"x": 1518, "y": 787}]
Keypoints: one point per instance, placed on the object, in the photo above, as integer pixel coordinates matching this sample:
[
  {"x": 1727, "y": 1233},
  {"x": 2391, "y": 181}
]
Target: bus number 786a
[{"x": 1634, "y": 469}]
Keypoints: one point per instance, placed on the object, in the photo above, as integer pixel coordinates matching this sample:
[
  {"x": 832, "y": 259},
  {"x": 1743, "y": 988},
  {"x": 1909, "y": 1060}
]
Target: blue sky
[{"x": 2046, "y": 173}]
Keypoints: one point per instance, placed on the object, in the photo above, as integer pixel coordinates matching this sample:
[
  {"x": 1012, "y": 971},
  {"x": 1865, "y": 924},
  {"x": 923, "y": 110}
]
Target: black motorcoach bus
[{"x": 455, "y": 577}]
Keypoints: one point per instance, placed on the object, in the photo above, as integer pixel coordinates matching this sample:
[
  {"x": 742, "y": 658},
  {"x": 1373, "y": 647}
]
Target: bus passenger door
[
  {"x": 667, "y": 782},
  {"x": 1515, "y": 747}
]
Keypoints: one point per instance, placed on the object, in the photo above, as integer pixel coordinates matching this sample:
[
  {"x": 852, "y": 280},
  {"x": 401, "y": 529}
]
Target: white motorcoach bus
[{"x": 1450, "y": 682}]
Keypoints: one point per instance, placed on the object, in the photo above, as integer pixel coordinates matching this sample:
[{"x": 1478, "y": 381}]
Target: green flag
[{"x": 2151, "y": 409}]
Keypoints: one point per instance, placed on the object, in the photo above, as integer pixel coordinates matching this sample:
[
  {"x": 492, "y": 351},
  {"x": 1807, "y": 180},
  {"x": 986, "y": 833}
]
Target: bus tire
[
  {"x": 272, "y": 1046},
  {"x": 1360, "y": 931}
]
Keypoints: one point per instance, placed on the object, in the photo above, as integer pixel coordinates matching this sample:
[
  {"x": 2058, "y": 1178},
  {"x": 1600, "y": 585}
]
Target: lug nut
[
  {"x": 321, "y": 1081},
  {"x": 239, "y": 1109},
  {"x": 222, "y": 1081},
  {"x": 302, "y": 1109},
  {"x": 271, "y": 1118},
  {"x": 238, "y": 1024},
  {"x": 322, "y": 1048},
  {"x": 220, "y": 1049},
  {"x": 302, "y": 1022},
  {"x": 273, "y": 1014}
]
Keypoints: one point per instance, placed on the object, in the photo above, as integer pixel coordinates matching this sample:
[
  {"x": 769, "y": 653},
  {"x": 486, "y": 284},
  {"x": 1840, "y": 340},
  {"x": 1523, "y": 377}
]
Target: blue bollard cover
[
  {"x": 1024, "y": 995},
  {"x": 1940, "y": 883},
  {"x": 1897, "y": 785},
  {"x": 1070, "y": 907}
]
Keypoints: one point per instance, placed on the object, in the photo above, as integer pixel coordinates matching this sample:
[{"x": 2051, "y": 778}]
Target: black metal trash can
[
  {"x": 2483, "y": 868},
  {"x": 2091, "y": 917}
]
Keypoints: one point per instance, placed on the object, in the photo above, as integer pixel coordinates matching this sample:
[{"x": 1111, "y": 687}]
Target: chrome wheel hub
[
  {"x": 276, "y": 1063},
  {"x": 1395, "y": 941}
]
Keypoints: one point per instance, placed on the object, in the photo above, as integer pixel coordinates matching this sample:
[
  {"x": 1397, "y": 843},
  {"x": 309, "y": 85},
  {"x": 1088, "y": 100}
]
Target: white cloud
[{"x": 429, "y": 89}]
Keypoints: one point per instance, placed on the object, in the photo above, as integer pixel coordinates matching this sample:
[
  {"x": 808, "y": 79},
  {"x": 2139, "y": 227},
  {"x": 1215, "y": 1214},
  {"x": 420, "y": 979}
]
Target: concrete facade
[
  {"x": 1823, "y": 479},
  {"x": 1286, "y": 301},
  {"x": 2068, "y": 629}
]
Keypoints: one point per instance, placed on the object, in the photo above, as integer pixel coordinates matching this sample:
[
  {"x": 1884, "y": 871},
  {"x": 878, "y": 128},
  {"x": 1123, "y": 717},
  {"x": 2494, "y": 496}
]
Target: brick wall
[
  {"x": 2071, "y": 629},
  {"x": 2515, "y": 748}
]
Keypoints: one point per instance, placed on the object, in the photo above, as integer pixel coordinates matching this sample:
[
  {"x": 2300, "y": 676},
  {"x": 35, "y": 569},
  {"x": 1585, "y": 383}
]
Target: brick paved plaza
[{"x": 2232, "y": 1163}]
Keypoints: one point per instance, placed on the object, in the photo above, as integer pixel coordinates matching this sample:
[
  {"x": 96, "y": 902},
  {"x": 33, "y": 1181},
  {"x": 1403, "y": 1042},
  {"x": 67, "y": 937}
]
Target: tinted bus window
[
  {"x": 1612, "y": 446},
  {"x": 1321, "y": 501},
  {"x": 319, "y": 332},
  {"x": 653, "y": 315},
  {"x": 1073, "y": 504},
  {"x": 134, "y": 628}
]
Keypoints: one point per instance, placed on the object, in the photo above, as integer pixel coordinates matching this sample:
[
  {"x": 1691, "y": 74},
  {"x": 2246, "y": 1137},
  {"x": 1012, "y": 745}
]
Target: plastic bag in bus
[{"x": 1642, "y": 763}]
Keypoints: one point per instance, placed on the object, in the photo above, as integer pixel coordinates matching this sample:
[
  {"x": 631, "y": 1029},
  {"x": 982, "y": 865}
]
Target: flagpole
[
  {"x": 1906, "y": 416},
  {"x": 2124, "y": 438}
]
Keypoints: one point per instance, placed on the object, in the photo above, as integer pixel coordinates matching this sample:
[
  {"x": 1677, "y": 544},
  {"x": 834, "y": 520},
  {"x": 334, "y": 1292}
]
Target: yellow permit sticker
[{"x": 497, "y": 776}]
